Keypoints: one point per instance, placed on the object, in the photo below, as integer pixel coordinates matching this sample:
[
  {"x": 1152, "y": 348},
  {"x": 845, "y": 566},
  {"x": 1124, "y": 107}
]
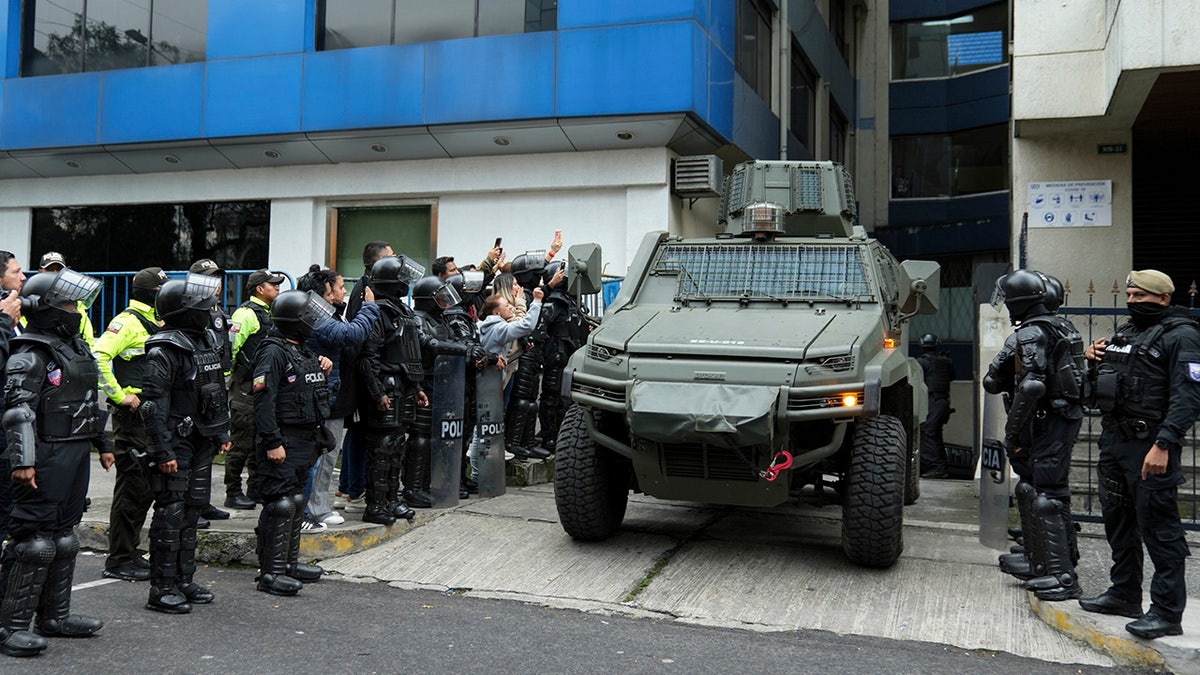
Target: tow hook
[{"x": 781, "y": 461}]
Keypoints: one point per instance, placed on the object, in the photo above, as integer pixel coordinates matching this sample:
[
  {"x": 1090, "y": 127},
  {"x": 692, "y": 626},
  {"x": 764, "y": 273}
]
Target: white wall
[{"x": 15, "y": 229}]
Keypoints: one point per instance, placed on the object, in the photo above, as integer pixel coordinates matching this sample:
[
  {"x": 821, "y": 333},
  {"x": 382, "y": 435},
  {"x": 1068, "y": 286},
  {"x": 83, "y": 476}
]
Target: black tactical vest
[
  {"x": 567, "y": 324},
  {"x": 1067, "y": 367},
  {"x": 69, "y": 408},
  {"x": 1133, "y": 380},
  {"x": 400, "y": 353},
  {"x": 938, "y": 373},
  {"x": 438, "y": 329},
  {"x": 132, "y": 372},
  {"x": 201, "y": 395},
  {"x": 245, "y": 357},
  {"x": 303, "y": 398}
]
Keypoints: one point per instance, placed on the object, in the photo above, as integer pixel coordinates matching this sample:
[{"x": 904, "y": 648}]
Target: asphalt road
[{"x": 346, "y": 627}]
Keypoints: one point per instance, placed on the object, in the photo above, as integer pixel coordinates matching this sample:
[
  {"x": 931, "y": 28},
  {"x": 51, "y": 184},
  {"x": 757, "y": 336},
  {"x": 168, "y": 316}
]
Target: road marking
[{"x": 93, "y": 584}]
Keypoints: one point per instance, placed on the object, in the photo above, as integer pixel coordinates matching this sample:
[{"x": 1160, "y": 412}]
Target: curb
[{"x": 1126, "y": 651}]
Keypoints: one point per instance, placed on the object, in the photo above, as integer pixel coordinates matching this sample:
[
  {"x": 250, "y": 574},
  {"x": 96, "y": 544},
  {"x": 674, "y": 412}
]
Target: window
[
  {"x": 950, "y": 165},
  {"x": 345, "y": 24},
  {"x": 753, "y": 58},
  {"x": 837, "y": 134},
  {"x": 72, "y": 36},
  {"x": 837, "y": 26},
  {"x": 953, "y": 46},
  {"x": 804, "y": 98}
]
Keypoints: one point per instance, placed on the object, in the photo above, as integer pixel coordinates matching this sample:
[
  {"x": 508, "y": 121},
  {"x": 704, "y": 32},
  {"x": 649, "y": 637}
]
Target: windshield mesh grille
[{"x": 784, "y": 271}]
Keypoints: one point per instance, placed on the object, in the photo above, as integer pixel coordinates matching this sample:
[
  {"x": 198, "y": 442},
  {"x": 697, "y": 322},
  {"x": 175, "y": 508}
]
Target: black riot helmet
[
  {"x": 49, "y": 300},
  {"x": 1023, "y": 292},
  {"x": 433, "y": 295},
  {"x": 549, "y": 271},
  {"x": 1055, "y": 294},
  {"x": 391, "y": 275},
  {"x": 929, "y": 342},
  {"x": 186, "y": 303},
  {"x": 467, "y": 284},
  {"x": 528, "y": 270},
  {"x": 296, "y": 314}
]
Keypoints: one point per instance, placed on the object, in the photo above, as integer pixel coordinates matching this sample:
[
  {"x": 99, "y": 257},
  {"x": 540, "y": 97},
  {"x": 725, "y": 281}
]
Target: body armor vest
[
  {"x": 245, "y": 357},
  {"x": 438, "y": 329},
  {"x": 303, "y": 398},
  {"x": 1133, "y": 380},
  {"x": 568, "y": 324},
  {"x": 201, "y": 395},
  {"x": 938, "y": 373},
  {"x": 400, "y": 353},
  {"x": 69, "y": 408},
  {"x": 1066, "y": 373},
  {"x": 132, "y": 372},
  {"x": 462, "y": 325}
]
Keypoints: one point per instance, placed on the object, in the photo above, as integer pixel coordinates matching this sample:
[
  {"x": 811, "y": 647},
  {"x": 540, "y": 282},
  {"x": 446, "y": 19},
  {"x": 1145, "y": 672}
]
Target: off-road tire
[
  {"x": 912, "y": 474},
  {"x": 591, "y": 483},
  {"x": 873, "y": 514}
]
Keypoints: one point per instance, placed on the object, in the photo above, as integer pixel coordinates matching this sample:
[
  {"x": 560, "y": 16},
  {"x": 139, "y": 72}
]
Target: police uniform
[
  {"x": 1147, "y": 385},
  {"x": 186, "y": 412},
  {"x": 52, "y": 419},
  {"x": 121, "y": 356},
  {"x": 291, "y": 402},
  {"x": 521, "y": 411},
  {"x": 939, "y": 373},
  {"x": 564, "y": 331},
  {"x": 247, "y": 328}
]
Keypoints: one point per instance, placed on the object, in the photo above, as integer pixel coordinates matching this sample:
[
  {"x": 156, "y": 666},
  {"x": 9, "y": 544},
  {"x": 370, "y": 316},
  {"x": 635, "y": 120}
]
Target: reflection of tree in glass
[{"x": 105, "y": 47}]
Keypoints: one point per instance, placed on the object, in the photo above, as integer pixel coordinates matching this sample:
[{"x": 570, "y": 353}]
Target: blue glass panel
[
  {"x": 253, "y": 96},
  {"x": 240, "y": 28},
  {"x": 10, "y": 37},
  {"x": 969, "y": 49},
  {"x": 151, "y": 104},
  {"x": 52, "y": 111},
  {"x": 370, "y": 87},
  {"x": 497, "y": 77},
  {"x": 720, "y": 91},
  {"x": 584, "y": 13},
  {"x": 722, "y": 24},
  {"x": 626, "y": 69}
]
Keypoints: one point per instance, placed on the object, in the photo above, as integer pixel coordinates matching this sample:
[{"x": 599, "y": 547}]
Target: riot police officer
[
  {"x": 52, "y": 387},
  {"x": 939, "y": 373},
  {"x": 1147, "y": 385},
  {"x": 390, "y": 373},
  {"x": 185, "y": 408},
  {"x": 521, "y": 414},
  {"x": 1042, "y": 371},
  {"x": 564, "y": 330},
  {"x": 291, "y": 402},
  {"x": 469, "y": 285}
]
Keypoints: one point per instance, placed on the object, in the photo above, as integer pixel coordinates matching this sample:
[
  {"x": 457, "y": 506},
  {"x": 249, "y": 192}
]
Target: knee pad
[
  {"x": 35, "y": 550},
  {"x": 284, "y": 507},
  {"x": 66, "y": 544},
  {"x": 300, "y": 501}
]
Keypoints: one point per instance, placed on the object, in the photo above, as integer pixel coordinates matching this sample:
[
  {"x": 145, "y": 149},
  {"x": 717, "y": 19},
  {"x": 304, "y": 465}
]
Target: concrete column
[
  {"x": 16, "y": 233},
  {"x": 297, "y": 235}
]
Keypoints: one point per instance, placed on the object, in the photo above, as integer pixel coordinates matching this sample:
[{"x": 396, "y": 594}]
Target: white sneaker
[
  {"x": 355, "y": 505},
  {"x": 311, "y": 526},
  {"x": 508, "y": 455},
  {"x": 333, "y": 519}
]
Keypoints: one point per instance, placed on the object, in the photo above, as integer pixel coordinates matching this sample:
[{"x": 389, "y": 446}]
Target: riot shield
[
  {"x": 449, "y": 384},
  {"x": 489, "y": 432},
  {"x": 993, "y": 476}
]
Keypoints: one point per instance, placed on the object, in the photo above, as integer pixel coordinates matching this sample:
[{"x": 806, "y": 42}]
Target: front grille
[{"x": 697, "y": 460}]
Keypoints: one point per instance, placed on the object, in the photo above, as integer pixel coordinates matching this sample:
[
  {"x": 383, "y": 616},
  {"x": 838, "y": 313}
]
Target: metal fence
[{"x": 1099, "y": 318}]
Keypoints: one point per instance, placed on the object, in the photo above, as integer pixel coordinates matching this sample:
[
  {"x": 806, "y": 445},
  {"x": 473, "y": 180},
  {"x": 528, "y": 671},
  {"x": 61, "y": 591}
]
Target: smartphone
[{"x": 497, "y": 244}]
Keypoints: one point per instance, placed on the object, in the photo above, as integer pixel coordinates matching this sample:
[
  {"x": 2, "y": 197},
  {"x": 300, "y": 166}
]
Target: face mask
[
  {"x": 1146, "y": 314},
  {"x": 56, "y": 321}
]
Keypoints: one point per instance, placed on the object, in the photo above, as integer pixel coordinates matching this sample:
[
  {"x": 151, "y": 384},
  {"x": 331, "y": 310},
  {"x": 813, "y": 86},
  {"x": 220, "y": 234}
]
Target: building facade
[{"x": 286, "y": 132}]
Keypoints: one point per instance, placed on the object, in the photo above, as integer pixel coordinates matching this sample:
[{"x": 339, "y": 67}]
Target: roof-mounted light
[{"x": 762, "y": 217}]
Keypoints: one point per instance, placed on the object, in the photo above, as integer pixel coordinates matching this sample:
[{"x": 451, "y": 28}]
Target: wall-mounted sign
[
  {"x": 1111, "y": 149},
  {"x": 1073, "y": 203}
]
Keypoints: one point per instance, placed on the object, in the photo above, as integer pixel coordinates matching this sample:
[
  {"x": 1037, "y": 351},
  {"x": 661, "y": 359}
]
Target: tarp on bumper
[{"x": 702, "y": 413}]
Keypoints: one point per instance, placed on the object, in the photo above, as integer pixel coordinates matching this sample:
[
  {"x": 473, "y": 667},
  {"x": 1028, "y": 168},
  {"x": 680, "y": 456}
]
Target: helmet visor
[
  {"x": 446, "y": 296},
  {"x": 200, "y": 291},
  {"x": 472, "y": 281},
  {"x": 316, "y": 311},
  {"x": 73, "y": 287},
  {"x": 411, "y": 270},
  {"x": 998, "y": 294}
]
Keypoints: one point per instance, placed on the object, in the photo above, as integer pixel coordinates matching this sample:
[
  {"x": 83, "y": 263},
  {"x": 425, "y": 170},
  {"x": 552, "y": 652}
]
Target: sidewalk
[{"x": 761, "y": 569}]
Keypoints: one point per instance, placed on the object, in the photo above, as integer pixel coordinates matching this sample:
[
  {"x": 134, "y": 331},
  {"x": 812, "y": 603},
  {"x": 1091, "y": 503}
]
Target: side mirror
[
  {"x": 920, "y": 287},
  {"x": 583, "y": 269}
]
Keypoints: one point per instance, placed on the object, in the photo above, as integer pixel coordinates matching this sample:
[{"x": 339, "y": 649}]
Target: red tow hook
[{"x": 781, "y": 461}]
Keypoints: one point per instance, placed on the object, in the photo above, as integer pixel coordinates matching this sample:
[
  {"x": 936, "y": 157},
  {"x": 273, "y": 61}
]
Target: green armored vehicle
[{"x": 760, "y": 367}]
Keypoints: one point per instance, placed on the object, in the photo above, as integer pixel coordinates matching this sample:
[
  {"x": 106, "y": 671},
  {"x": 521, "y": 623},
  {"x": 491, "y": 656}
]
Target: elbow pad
[
  {"x": 1024, "y": 405},
  {"x": 447, "y": 347},
  {"x": 991, "y": 384},
  {"x": 22, "y": 440}
]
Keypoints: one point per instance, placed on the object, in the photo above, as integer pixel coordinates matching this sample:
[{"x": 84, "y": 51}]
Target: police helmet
[
  {"x": 548, "y": 272},
  {"x": 195, "y": 292},
  {"x": 432, "y": 294},
  {"x": 296, "y": 314},
  {"x": 54, "y": 289},
  {"x": 1055, "y": 294},
  {"x": 929, "y": 342},
  {"x": 528, "y": 269},
  {"x": 391, "y": 275},
  {"x": 1023, "y": 292},
  {"x": 467, "y": 284}
]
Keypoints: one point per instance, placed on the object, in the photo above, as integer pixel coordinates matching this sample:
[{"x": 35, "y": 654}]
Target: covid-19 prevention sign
[{"x": 1072, "y": 203}]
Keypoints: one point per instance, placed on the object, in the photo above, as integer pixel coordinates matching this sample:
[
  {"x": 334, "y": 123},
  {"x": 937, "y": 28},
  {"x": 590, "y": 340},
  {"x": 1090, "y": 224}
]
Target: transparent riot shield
[
  {"x": 449, "y": 384},
  {"x": 489, "y": 432},
  {"x": 993, "y": 476}
]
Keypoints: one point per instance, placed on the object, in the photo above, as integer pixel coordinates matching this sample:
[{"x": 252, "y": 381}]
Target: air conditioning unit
[{"x": 694, "y": 177}]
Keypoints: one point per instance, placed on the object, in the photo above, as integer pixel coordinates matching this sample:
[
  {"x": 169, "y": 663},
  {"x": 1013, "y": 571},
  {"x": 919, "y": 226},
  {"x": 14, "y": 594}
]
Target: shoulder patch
[
  {"x": 235, "y": 327},
  {"x": 54, "y": 377},
  {"x": 114, "y": 327},
  {"x": 260, "y": 381},
  {"x": 1194, "y": 371}
]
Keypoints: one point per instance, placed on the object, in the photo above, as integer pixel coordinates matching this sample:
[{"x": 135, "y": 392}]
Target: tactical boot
[
  {"x": 1154, "y": 625},
  {"x": 26, "y": 564},
  {"x": 166, "y": 526},
  {"x": 168, "y": 599},
  {"x": 1107, "y": 603},
  {"x": 1060, "y": 581},
  {"x": 1034, "y": 558},
  {"x": 275, "y": 537},
  {"x": 417, "y": 475},
  {"x": 195, "y": 593},
  {"x": 378, "y": 514},
  {"x": 303, "y": 572},
  {"x": 54, "y": 609},
  {"x": 377, "y": 510}
]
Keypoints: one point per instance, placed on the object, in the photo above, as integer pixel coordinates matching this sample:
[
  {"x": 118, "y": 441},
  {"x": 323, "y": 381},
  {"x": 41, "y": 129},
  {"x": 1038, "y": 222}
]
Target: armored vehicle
[{"x": 760, "y": 367}]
